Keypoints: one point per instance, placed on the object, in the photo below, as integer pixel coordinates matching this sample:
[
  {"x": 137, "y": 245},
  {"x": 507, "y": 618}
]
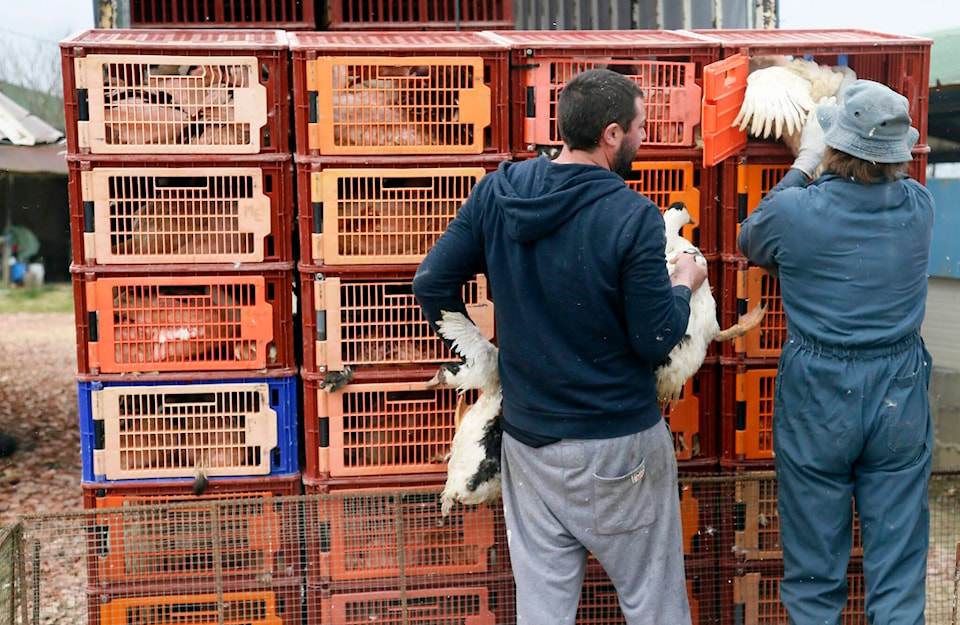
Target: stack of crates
[
  {"x": 668, "y": 67},
  {"x": 418, "y": 15},
  {"x": 182, "y": 215},
  {"x": 392, "y": 132},
  {"x": 748, "y": 169}
]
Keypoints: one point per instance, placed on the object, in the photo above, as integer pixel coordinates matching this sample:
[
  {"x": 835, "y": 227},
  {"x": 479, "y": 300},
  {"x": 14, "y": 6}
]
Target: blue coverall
[{"x": 851, "y": 409}]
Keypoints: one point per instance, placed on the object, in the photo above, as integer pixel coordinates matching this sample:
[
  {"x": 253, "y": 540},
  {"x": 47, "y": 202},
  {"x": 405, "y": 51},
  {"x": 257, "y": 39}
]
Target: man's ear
[{"x": 612, "y": 134}]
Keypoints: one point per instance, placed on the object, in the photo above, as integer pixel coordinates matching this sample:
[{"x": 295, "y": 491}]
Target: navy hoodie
[{"x": 583, "y": 304}]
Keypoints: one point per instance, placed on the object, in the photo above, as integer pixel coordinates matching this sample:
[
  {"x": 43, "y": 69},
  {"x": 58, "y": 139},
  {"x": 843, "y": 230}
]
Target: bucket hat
[{"x": 872, "y": 123}]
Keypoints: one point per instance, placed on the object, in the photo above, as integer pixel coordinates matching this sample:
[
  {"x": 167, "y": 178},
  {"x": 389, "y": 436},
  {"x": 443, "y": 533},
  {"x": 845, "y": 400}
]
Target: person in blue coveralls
[{"x": 851, "y": 410}]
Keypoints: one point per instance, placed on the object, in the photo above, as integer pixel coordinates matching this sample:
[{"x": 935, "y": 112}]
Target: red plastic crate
[
  {"x": 693, "y": 418},
  {"x": 362, "y": 535},
  {"x": 746, "y": 413},
  {"x": 899, "y": 61},
  {"x": 375, "y": 94},
  {"x": 378, "y": 428},
  {"x": 751, "y": 529},
  {"x": 419, "y": 14},
  {"x": 162, "y": 212},
  {"x": 176, "y": 91},
  {"x": 751, "y": 594},
  {"x": 450, "y": 600},
  {"x": 282, "y": 14},
  {"x": 745, "y": 286},
  {"x": 743, "y": 184},
  {"x": 666, "y": 64},
  {"x": 177, "y": 322},
  {"x": 137, "y": 540},
  {"x": 246, "y": 603},
  {"x": 363, "y": 320},
  {"x": 599, "y": 604},
  {"x": 381, "y": 212}
]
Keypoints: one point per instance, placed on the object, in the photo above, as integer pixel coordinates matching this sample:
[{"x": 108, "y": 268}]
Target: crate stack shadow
[
  {"x": 182, "y": 216},
  {"x": 392, "y": 132},
  {"x": 751, "y": 564}
]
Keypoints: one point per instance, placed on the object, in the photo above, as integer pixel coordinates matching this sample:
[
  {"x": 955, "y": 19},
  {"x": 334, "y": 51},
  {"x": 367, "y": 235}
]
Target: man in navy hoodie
[{"x": 585, "y": 310}]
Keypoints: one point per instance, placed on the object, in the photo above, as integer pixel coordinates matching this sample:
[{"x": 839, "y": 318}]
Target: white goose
[
  {"x": 473, "y": 464},
  {"x": 687, "y": 356}
]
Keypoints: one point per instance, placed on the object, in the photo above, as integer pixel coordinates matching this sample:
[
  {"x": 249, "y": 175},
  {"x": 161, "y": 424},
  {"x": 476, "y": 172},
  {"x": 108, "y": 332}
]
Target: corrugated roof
[
  {"x": 46, "y": 157},
  {"x": 945, "y": 57},
  {"x": 20, "y": 127}
]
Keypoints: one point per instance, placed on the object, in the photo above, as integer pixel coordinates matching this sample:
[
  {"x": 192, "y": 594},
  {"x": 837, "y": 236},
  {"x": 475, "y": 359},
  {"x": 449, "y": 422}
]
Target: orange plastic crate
[
  {"x": 399, "y": 93},
  {"x": 692, "y": 418},
  {"x": 137, "y": 540},
  {"x": 232, "y": 608},
  {"x": 157, "y": 213},
  {"x": 283, "y": 14},
  {"x": 752, "y": 593},
  {"x": 753, "y": 528},
  {"x": 744, "y": 287},
  {"x": 357, "y": 535},
  {"x": 753, "y": 182},
  {"x": 419, "y": 14},
  {"x": 176, "y": 92},
  {"x": 378, "y": 428},
  {"x": 376, "y": 322},
  {"x": 470, "y": 600},
  {"x": 672, "y": 97},
  {"x": 181, "y": 323},
  {"x": 746, "y": 420},
  {"x": 378, "y": 215}
]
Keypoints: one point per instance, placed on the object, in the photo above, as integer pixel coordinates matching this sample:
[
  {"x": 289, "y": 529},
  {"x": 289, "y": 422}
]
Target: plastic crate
[
  {"x": 156, "y": 431},
  {"x": 419, "y": 14},
  {"x": 743, "y": 185},
  {"x": 365, "y": 321},
  {"x": 599, "y": 604},
  {"x": 751, "y": 594},
  {"x": 282, "y": 14},
  {"x": 746, "y": 413},
  {"x": 451, "y": 600},
  {"x": 218, "y": 487},
  {"x": 171, "y": 539},
  {"x": 377, "y": 215},
  {"x": 378, "y": 428},
  {"x": 363, "y": 535},
  {"x": 699, "y": 513},
  {"x": 407, "y": 94},
  {"x": 898, "y": 61},
  {"x": 177, "y": 322},
  {"x": 159, "y": 213},
  {"x": 176, "y": 92},
  {"x": 693, "y": 418},
  {"x": 247, "y": 603},
  {"x": 744, "y": 287},
  {"x": 666, "y": 64},
  {"x": 751, "y": 529}
]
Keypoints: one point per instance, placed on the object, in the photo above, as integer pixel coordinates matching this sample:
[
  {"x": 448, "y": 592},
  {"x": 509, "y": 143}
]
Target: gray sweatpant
[{"x": 615, "y": 498}]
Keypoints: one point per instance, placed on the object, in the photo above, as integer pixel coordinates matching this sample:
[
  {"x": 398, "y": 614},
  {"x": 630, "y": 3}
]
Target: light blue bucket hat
[{"x": 872, "y": 123}]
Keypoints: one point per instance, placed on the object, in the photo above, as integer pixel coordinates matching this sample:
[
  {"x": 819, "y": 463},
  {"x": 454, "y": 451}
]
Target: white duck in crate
[{"x": 473, "y": 464}]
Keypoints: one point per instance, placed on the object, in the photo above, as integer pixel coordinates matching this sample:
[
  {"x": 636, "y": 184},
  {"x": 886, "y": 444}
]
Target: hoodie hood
[{"x": 537, "y": 197}]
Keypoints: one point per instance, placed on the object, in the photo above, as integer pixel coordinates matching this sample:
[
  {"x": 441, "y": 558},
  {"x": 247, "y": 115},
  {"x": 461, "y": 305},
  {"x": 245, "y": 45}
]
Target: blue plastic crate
[{"x": 159, "y": 431}]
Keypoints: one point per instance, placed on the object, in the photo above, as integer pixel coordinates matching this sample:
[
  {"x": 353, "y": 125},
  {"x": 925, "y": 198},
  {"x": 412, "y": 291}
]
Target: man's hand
[{"x": 688, "y": 273}]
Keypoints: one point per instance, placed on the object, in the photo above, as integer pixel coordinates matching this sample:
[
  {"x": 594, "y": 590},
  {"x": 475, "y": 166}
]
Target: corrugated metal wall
[{"x": 645, "y": 14}]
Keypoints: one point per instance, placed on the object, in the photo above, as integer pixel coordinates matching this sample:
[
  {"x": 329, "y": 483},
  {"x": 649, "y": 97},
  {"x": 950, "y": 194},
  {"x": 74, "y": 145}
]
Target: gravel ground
[{"x": 38, "y": 405}]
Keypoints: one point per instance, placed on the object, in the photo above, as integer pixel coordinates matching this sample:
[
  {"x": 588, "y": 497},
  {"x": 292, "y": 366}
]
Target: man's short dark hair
[{"x": 590, "y": 102}]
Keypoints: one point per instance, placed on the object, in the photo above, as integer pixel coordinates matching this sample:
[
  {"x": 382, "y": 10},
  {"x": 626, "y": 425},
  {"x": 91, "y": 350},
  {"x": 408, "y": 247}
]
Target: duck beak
[{"x": 436, "y": 380}]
